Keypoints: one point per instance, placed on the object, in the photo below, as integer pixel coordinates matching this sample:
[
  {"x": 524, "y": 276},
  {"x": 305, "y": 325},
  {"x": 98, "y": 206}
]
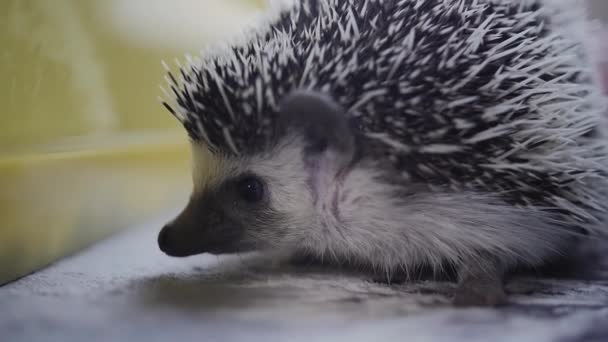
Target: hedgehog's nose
[{"x": 163, "y": 240}]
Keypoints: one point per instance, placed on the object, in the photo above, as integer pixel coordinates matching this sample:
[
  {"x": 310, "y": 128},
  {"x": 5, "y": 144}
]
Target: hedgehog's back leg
[{"x": 482, "y": 236}]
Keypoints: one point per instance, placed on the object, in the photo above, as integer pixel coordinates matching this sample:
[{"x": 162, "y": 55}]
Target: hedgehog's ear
[{"x": 323, "y": 123}]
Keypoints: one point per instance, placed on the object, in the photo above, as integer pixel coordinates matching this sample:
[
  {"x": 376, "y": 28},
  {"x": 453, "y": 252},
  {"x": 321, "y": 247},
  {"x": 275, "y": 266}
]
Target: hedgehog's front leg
[{"x": 481, "y": 285}]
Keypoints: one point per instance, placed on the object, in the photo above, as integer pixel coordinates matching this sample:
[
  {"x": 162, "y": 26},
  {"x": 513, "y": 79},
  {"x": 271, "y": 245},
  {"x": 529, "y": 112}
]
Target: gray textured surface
[{"x": 125, "y": 289}]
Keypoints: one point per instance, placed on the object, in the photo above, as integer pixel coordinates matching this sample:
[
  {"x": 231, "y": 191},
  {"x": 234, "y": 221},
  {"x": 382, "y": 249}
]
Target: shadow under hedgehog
[{"x": 398, "y": 134}]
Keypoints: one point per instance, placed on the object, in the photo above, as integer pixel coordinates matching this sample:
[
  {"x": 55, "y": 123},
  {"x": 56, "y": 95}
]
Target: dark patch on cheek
[
  {"x": 225, "y": 238},
  {"x": 220, "y": 231},
  {"x": 215, "y": 218},
  {"x": 202, "y": 227}
]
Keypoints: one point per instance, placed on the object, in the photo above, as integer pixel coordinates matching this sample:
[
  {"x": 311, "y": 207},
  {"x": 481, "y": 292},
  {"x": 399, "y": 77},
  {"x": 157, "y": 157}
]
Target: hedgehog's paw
[
  {"x": 481, "y": 288},
  {"x": 302, "y": 259},
  {"x": 468, "y": 295},
  {"x": 384, "y": 279}
]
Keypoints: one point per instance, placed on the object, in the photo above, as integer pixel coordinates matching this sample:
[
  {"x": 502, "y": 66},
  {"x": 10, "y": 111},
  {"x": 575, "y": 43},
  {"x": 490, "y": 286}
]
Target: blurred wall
[
  {"x": 86, "y": 149},
  {"x": 82, "y": 68}
]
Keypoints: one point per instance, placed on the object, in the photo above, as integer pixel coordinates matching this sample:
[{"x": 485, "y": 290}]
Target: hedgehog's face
[
  {"x": 238, "y": 205},
  {"x": 266, "y": 200}
]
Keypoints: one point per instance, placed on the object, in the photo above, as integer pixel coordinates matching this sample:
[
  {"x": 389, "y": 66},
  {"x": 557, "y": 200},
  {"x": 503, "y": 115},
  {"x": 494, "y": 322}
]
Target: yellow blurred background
[{"x": 86, "y": 149}]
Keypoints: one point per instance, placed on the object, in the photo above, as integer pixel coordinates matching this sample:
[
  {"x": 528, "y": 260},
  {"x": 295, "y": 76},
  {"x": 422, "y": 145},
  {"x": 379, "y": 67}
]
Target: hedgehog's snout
[
  {"x": 201, "y": 228},
  {"x": 181, "y": 237},
  {"x": 164, "y": 240},
  {"x": 177, "y": 239},
  {"x": 170, "y": 245}
]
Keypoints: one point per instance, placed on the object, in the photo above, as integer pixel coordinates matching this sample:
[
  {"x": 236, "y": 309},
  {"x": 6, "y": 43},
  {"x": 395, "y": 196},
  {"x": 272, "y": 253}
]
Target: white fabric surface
[{"x": 126, "y": 289}]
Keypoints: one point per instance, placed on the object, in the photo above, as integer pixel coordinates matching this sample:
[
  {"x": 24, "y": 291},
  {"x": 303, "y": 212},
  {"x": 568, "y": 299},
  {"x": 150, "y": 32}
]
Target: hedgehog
[{"x": 397, "y": 135}]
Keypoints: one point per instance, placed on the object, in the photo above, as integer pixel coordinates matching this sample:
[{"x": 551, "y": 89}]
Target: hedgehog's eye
[{"x": 251, "y": 189}]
